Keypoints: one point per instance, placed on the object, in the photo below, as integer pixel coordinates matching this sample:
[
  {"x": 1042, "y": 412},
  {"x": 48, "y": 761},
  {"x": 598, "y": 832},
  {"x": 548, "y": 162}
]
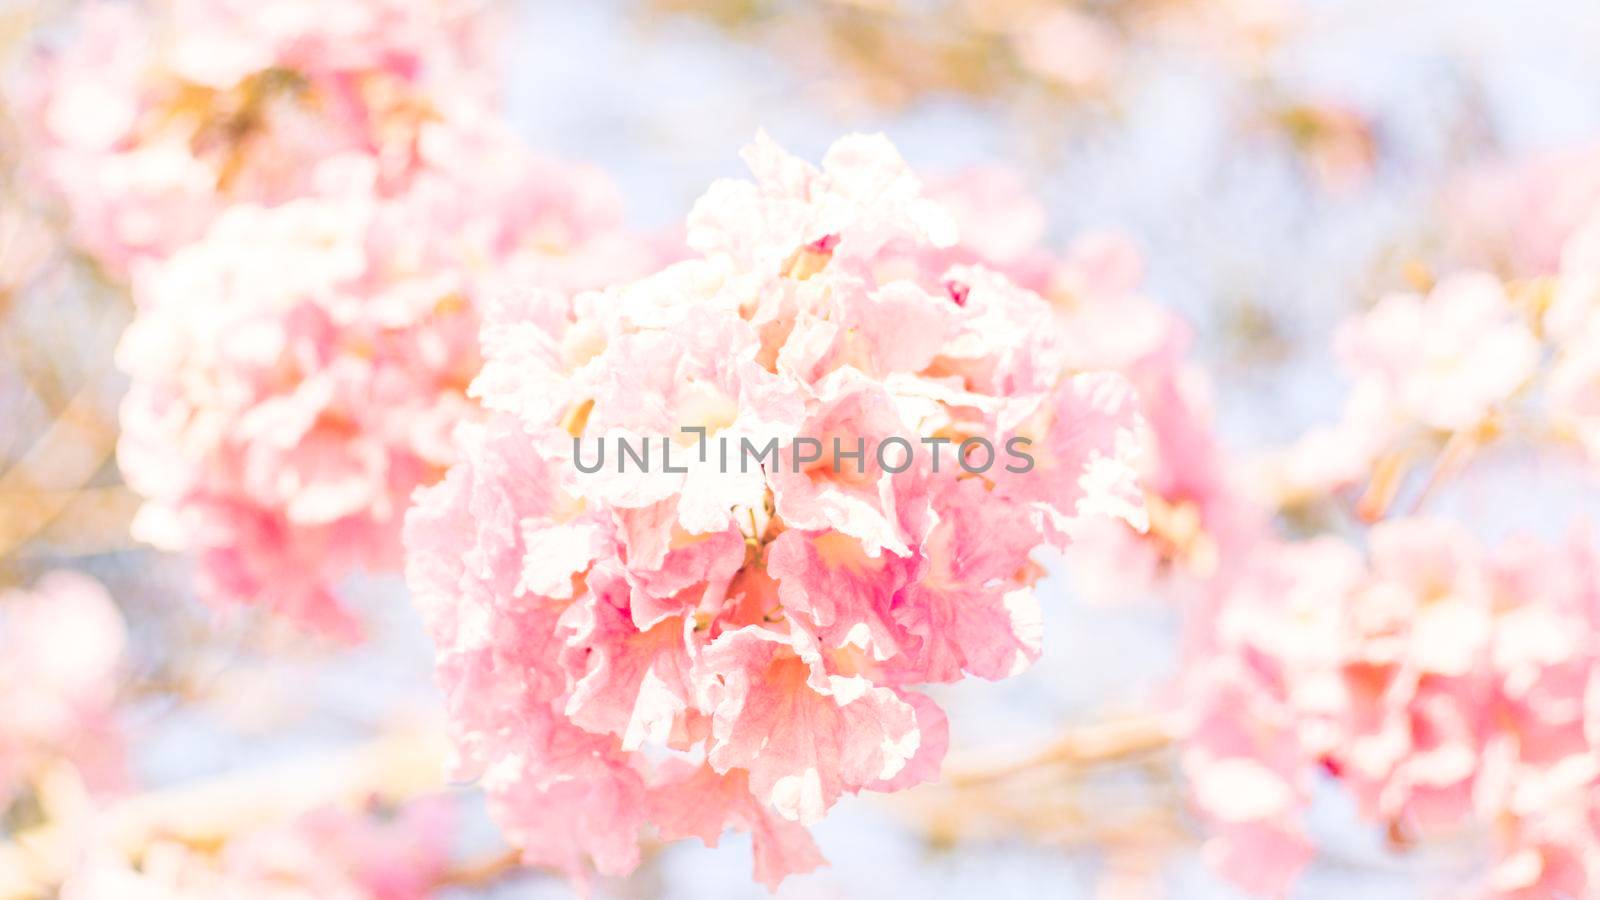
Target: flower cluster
[
  {"x": 1198, "y": 516},
  {"x": 712, "y": 646},
  {"x": 311, "y": 206},
  {"x": 1502, "y": 351},
  {"x": 1426, "y": 370},
  {"x": 148, "y": 130},
  {"x": 61, "y": 648},
  {"x": 297, "y": 371},
  {"x": 1447, "y": 687},
  {"x": 371, "y": 330},
  {"x": 1443, "y": 685}
]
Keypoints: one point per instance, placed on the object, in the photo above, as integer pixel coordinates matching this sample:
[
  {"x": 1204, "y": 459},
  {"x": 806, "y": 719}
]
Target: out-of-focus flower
[
  {"x": 1199, "y": 518},
  {"x": 1242, "y": 750},
  {"x": 61, "y": 648},
  {"x": 1197, "y": 515},
  {"x": 1423, "y": 368},
  {"x": 329, "y": 854},
  {"x": 762, "y": 622},
  {"x": 298, "y": 369},
  {"x": 1516, "y": 218},
  {"x": 1572, "y": 323},
  {"x": 1446, "y": 360},
  {"x": 1442, "y": 685},
  {"x": 149, "y": 121}
]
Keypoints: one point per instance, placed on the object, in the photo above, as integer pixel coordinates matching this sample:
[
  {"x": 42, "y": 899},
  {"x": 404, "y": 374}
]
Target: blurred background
[{"x": 1279, "y": 163}]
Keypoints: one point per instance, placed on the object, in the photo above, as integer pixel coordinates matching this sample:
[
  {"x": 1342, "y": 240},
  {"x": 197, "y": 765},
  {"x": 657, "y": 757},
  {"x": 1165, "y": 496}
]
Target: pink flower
[
  {"x": 148, "y": 131},
  {"x": 804, "y": 734},
  {"x": 735, "y": 641},
  {"x": 1001, "y": 224},
  {"x": 702, "y": 802},
  {"x": 298, "y": 370},
  {"x": 1515, "y": 218},
  {"x": 61, "y": 649},
  {"x": 1103, "y": 321},
  {"x": 1246, "y": 750},
  {"x": 1445, "y": 360},
  {"x": 1442, "y": 685},
  {"x": 1424, "y": 368}
]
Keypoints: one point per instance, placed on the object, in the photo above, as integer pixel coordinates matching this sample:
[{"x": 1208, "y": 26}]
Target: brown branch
[
  {"x": 1057, "y": 795},
  {"x": 483, "y": 872},
  {"x": 1085, "y": 747}
]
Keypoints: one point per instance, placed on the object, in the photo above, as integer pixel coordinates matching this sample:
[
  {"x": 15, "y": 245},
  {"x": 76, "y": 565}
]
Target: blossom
[
  {"x": 1442, "y": 684},
  {"x": 1516, "y": 217},
  {"x": 1200, "y": 518},
  {"x": 1424, "y": 368},
  {"x": 297, "y": 371},
  {"x": 716, "y": 643},
  {"x": 1444, "y": 360},
  {"x": 61, "y": 654},
  {"x": 1104, "y": 320},
  {"x": 147, "y": 131}
]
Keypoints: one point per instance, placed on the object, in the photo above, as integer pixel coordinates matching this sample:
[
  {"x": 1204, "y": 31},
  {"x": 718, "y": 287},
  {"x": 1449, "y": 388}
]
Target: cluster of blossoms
[
  {"x": 1198, "y": 518},
  {"x": 329, "y": 853},
  {"x": 1445, "y": 686},
  {"x": 1197, "y": 515},
  {"x": 311, "y": 205},
  {"x": 296, "y": 372},
  {"x": 711, "y": 647},
  {"x": 1429, "y": 372},
  {"x": 151, "y": 119},
  {"x": 1449, "y": 688},
  {"x": 351, "y": 283},
  {"x": 1504, "y": 348},
  {"x": 61, "y": 649}
]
